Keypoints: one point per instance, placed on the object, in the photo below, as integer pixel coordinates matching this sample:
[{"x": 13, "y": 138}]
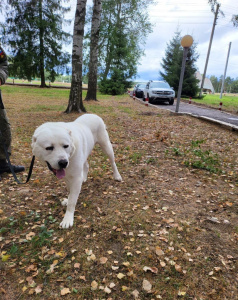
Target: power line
[
  {"x": 197, "y": 16},
  {"x": 180, "y": 22}
]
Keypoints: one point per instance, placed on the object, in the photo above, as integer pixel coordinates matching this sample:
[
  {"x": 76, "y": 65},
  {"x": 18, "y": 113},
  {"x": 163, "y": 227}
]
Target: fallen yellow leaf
[
  {"x": 77, "y": 265},
  {"x": 24, "y": 288},
  {"x": 103, "y": 260},
  {"x": 6, "y": 257},
  {"x": 120, "y": 276},
  {"x": 159, "y": 251},
  {"x": 60, "y": 254},
  {"x": 64, "y": 291},
  {"x": 94, "y": 285},
  {"x": 147, "y": 286},
  {"x": 107, "y": 290},
  {"x": 38, "y": 289},
  {"x": 178, "y": 268},
  {"x": 181, "y": 293}
]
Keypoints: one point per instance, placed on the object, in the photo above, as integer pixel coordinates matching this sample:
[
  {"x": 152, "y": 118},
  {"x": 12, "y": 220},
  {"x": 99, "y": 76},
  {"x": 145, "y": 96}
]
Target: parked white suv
[{"x": 159, "y": 91}]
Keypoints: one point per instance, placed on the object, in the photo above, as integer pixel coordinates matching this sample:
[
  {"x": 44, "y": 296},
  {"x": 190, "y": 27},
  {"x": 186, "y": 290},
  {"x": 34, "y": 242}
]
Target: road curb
[
  {"x": 221, "y": 123},
  {"x": 211, "y": 120}
]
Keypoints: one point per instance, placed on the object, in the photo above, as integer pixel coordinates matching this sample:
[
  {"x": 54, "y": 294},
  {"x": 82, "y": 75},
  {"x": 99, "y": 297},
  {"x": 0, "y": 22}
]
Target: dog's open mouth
[{"x": 58, "y": 173}]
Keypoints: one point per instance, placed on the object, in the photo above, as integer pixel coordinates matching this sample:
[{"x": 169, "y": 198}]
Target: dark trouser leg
[{"x": 6, "y": 134}]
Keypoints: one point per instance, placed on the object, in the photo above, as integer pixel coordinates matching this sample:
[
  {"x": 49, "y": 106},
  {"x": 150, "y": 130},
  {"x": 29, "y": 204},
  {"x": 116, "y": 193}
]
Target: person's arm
[{"x": 3, "y": 66}]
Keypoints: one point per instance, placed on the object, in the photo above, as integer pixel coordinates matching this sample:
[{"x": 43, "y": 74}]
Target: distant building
[{"x": 207, "y": 86}]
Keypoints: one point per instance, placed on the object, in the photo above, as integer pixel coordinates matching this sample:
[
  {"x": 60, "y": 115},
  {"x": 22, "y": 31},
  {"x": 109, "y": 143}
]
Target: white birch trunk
[
  {"x": 92, "y": 78},
  {"x": 75, "y": 99}
]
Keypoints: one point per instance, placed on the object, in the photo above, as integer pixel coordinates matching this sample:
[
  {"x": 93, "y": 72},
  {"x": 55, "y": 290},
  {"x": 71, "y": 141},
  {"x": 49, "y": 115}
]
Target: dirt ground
[{"x": 169, "y": 230}]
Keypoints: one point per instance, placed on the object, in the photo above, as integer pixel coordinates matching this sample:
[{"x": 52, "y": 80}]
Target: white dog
[{"x": 65, "y": 148}]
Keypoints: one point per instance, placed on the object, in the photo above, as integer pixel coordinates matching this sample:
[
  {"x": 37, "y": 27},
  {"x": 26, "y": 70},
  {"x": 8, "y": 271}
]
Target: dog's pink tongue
[{"x": 60, "y": 173}]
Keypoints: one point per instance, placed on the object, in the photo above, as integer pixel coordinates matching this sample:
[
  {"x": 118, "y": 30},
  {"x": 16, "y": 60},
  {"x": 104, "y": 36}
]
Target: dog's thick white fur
[{"x": 65, "y": 148}]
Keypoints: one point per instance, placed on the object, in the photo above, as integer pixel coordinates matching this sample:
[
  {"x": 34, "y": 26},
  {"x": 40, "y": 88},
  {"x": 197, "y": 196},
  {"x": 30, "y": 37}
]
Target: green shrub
[{"x": 116, "y": 84}]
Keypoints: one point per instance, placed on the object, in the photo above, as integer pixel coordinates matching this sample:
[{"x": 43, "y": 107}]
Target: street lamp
[{"x": 186, "y": 42}]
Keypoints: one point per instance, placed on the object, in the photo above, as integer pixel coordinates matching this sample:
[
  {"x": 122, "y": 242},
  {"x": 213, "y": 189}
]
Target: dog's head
[{"x": 53, "y": 144}]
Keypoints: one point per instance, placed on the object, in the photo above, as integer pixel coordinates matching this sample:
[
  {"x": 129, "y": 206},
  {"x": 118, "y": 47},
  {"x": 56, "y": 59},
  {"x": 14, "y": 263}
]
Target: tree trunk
[
  {"x": 75, "y": 98},
  {"x": 108, "y": 61},
  {"x": 110, "y": 43},
  {"x": 42, "y": 68},
  {"x": 92, "y": 77}
]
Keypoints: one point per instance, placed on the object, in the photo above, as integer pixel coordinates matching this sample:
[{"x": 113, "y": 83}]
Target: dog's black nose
[{"x": 63, "y": 163}]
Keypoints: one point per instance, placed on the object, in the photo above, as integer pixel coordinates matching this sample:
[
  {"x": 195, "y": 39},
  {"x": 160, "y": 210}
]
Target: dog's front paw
[
  {"x": 117, "y": 177},
  {"x": 64, "y": 202},
  {"x": 68, "y": 220}
]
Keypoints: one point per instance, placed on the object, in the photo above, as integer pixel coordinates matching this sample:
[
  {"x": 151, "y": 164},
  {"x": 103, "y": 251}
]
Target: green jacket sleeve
[{"x": 3, "y": 66}]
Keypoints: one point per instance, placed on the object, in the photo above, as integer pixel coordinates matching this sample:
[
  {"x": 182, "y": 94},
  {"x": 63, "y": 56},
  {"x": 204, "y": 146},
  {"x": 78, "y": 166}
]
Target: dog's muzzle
[
  {"x": 60, "y": 173},
  {"x": 63, "y": 163}
]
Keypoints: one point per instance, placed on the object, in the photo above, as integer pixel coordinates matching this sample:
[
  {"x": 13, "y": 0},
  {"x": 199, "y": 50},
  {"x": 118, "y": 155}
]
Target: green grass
[
  {"x": 100, "y": 109},
  {"x": 196, "y": 157},
  {"x": 40, "y": 107},
  {"x": 48, "y": 92},
  {"x": 136, "y": 157},
  {"x": 36, "y": 82},
  {"x": 44, "y": 92},
  {"x": 155, "y": 205},
  {"x": 229, "y": 101},
  {"x": 127, "y": 110}
]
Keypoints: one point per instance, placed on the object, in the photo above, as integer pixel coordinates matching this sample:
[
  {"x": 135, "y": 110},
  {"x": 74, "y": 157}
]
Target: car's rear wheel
[{"x": 171, "y": 102}]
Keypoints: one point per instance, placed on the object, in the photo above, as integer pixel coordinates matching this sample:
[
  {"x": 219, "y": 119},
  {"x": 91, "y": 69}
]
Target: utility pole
[
  {"x": 209, "y": 49},
  {"x": 224, "y": 76}
]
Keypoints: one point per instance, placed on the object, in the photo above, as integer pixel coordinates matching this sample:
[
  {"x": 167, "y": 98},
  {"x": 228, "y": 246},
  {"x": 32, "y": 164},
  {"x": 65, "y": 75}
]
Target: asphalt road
[{"x": 213, "y": 115}]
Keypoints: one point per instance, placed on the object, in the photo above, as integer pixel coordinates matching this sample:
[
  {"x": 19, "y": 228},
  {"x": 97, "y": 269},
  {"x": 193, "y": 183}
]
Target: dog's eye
[
  {"x": 51, "y": 148},
  {"x": 66, "y": 146}
]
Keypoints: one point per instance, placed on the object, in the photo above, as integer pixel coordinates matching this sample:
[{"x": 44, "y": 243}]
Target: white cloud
[{"x": 194, "y": 18}]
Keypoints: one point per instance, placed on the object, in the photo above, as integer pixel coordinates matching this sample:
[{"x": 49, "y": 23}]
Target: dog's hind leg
[
  {"x": 106, "y": 146},
  {"x": 85, "y": 171}
]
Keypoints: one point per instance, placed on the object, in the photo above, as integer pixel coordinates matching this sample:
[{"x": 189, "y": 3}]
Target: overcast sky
[{"x": 192, "y": 17}]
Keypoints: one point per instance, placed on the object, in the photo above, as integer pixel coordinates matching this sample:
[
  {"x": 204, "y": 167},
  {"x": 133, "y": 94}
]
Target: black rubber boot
[{"x": 4, "y": 167}]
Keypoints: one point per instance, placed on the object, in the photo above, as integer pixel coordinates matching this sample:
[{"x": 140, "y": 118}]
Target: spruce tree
[
  {"x": 124, "y": 27},
  {"x": 33, "y": 31}
]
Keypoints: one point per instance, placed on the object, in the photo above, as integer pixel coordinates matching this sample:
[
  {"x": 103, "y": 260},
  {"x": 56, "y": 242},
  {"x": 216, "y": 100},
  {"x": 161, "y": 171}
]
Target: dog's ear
[
  {"x": 33, "y": 142},
  {"x": 73, "y": 148}
]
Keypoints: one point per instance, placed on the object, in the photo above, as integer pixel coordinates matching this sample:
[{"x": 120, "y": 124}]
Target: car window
[{"x": 159, "y": 85}]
